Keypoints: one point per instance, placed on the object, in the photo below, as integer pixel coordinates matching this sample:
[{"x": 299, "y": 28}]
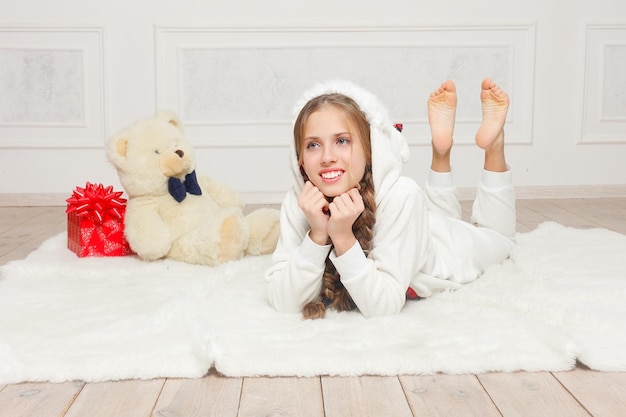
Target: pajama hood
[{"x": 389, "y": 148}]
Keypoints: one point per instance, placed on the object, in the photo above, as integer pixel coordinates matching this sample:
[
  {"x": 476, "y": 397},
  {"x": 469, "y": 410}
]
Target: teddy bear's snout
[{"x": 175, "y": 162}]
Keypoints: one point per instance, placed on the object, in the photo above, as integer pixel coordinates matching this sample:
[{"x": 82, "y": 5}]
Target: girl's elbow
[{"x": 282, "y": 303}]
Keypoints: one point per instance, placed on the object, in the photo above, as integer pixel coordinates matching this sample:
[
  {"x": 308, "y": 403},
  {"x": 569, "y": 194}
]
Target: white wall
[{"x": 73, "y": 72}]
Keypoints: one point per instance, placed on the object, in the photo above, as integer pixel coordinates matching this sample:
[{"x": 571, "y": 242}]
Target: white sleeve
[
  {"x": 298, "y": 263},
  {"x": 401, "y": 246}
]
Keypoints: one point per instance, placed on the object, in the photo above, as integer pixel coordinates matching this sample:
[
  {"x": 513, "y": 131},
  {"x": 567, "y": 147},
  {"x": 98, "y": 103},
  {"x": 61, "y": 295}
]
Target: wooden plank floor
[{"x": 580, "y": 392}]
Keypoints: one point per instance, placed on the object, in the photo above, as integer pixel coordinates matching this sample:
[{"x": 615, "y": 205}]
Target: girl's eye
[
  {"x": 312, "y": 145},
  {"x": 343, "y": 141}
]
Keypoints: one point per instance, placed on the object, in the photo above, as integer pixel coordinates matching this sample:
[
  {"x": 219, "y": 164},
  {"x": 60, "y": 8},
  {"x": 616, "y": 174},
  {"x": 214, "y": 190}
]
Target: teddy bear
[{"x": 174, "y": 213}]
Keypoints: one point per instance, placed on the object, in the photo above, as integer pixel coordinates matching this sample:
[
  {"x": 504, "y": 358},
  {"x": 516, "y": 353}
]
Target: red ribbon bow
[{"x": 96, "y": 201}]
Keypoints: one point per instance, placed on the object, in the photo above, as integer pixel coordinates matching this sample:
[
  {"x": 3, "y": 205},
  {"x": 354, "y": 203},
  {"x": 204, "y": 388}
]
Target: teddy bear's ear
[
  {"x": 170, "y": 117},
  {"x": 116, "y": 149}
]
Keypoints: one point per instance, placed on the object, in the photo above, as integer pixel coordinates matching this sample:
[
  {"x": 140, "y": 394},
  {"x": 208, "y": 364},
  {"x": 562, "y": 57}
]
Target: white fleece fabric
[
  {"x": 419, "y": 239},
  {"x": 558, "y": 299}
]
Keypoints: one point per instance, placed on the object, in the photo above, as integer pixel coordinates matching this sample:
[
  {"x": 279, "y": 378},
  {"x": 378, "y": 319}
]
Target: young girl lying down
[{"x": 355, "y": 233}]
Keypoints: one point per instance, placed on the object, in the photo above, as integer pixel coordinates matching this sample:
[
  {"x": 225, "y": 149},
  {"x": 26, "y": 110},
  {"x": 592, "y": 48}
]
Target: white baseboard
[
  {"x": 58, "y": 199},
  {"x": 275, "y": 198},
  {"x": 558, "y": 191}
]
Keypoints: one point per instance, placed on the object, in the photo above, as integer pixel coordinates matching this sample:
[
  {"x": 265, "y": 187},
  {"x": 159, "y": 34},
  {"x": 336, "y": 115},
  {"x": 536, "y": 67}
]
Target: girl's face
[{"x": 333, "y": 157}]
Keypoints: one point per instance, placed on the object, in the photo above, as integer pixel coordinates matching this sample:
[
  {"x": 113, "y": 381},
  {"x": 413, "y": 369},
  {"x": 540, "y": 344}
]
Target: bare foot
[
  {"x": 495, "y": 103},
  {"x": 441, "y": 114}
]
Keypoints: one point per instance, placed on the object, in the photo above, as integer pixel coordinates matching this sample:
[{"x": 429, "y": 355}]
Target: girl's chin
[{"x": 332, "y": 191}]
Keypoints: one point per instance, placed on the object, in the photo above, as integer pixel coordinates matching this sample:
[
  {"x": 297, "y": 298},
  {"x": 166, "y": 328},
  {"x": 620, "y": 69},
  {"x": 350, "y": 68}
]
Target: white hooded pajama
[{"x": 420, "y": 241}]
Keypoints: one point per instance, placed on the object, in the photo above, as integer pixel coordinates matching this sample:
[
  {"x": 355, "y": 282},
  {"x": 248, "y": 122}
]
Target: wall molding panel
[
  {"x": 604, "y": 101},
  {"x": 236, "y": 87},
  {"x": 52, "y": 87}
]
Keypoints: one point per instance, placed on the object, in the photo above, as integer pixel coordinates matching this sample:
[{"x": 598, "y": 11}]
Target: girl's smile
[{"x": 332, "y": 175}]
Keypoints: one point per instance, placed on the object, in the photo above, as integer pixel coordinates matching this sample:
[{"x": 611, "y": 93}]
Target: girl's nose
[{"x": 328, "y": 154}]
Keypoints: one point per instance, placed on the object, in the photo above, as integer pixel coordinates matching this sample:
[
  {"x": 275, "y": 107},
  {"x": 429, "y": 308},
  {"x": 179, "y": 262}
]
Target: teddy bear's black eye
[{"x": 156, "y": 151}]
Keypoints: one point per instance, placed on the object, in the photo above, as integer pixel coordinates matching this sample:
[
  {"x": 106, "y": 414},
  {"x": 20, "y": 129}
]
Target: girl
[{"x": 357, "y": 234}]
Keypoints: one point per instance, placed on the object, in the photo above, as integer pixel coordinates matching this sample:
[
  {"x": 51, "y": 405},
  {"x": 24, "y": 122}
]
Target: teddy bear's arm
[
  {"x": 223, "y": 195},
  {"x": 146, "y": 232}
]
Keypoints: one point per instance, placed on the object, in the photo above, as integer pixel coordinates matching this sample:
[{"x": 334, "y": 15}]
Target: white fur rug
[{"x": 561, "y": 297}]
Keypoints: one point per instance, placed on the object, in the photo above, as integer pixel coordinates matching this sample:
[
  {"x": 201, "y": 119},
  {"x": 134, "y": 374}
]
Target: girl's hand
[
  {"x": 315, "y": 207},
  {"x": 344, "y": 210}
]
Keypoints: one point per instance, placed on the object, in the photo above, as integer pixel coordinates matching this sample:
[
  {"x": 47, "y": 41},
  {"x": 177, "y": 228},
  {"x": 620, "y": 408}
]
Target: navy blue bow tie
[{"x": 179, "y": 189}]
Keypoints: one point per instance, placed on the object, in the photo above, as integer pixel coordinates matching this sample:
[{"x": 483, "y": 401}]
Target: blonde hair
[{"x": 334, "y": 294}]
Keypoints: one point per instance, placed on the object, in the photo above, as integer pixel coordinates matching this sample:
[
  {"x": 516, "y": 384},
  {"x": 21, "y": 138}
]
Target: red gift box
[{"x": 95, "y": 221}]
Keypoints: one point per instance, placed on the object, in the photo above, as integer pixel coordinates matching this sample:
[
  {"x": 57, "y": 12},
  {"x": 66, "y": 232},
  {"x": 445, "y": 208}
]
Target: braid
[
  {"x": 333, "y": 293},
  {"x": 364, "y": 226}
]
